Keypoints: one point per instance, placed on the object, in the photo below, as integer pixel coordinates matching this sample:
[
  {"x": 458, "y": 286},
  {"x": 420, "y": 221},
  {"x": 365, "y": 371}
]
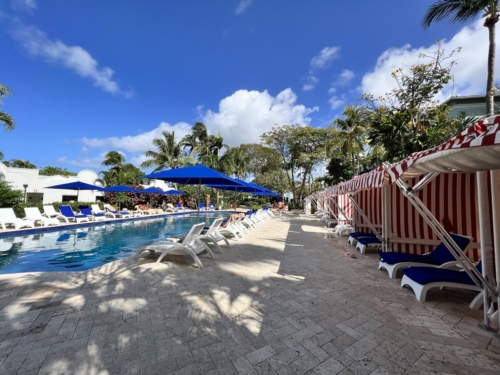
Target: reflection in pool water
[{"x": 84, "y": 248}]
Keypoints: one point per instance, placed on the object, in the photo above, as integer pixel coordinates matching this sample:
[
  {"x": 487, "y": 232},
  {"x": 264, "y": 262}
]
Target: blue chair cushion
[
  {"x": 427, "y": 275},
  {"x": 361, "y": 234},
  {"x": 394, "y": 258},
  {"x": 440, "y": 255}
]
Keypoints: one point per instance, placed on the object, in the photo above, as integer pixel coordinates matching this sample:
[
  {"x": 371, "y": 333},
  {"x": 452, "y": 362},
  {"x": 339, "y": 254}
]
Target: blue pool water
[{"x": 84, "y": 248}]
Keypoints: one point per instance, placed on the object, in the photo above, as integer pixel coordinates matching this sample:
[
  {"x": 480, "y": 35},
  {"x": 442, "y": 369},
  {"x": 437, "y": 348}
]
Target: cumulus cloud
[
  {"x": 74, "y": 58},
  {"x": 336, "y": 101},
  {"x": 320, "y": 61},
  {"x": 345, "y": 77},
  {"x": 245, "y": 115},
  {"x": 470, "y": 73},
  {"x": 24, "y": 5},
  {"x": 242, "y": 6},
  {"x": 138, "y": 143},
  {"x": 91, "y": 162},
  {"x": 310, "y": 82},
  {"x": 325, "y": 57}
]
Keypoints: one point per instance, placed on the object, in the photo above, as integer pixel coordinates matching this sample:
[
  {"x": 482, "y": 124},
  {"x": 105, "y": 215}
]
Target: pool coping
[{"x": 66, "y": 226}]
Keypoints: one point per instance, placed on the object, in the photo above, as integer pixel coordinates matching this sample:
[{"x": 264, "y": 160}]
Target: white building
[
  {"x": 21, "y": 178},
  {"x": 36, "y": 185}
]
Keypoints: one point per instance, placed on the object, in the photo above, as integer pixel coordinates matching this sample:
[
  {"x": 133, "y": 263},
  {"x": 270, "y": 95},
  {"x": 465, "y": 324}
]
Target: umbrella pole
[{"x": 199, "y": 192}]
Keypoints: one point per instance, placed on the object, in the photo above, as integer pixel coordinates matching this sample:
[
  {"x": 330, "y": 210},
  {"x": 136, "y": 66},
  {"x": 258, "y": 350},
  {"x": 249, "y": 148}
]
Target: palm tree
[
  {"x": 114, "y": 159},
  {"x": 234, "y": 162},
  {"x": 350, "y": 132},
  {"x": 463, "y": 11},
  {"x": 5, "y": 119},
  {"x": 169, "y": 155},
  {"x": 18, "y": 163},
  {"x": 202, "y": 144}
]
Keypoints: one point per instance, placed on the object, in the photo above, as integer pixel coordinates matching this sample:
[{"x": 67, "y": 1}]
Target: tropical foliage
[
  {"x": 119, "y": 173},
  {"x": 6, "y": 120},
  {"x": 55, "y": 171},
  {"x": 18, "y": 163},
  {"x": 459, "y": 11},
  {"x": 169, "y": 154}
]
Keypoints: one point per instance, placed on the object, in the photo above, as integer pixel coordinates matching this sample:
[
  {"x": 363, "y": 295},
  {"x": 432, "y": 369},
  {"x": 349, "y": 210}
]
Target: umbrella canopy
[
  {"x": 195, "y": 175},
  {"x": 244, "y": 187},
  {"x": 151, "y": 190},
  {"x": 269, "y": 192},
  {"x": 76, "y": 185},
  {"x": 121, "y": 189},
  {"x": 173, "y": 192}
]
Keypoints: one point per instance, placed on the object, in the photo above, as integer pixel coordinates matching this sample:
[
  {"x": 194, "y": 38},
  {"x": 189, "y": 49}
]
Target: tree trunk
[
  {"x": 294, "y": 190},
  {"x": 490, "y": 94},
  {"x": 304, "y": 177}
]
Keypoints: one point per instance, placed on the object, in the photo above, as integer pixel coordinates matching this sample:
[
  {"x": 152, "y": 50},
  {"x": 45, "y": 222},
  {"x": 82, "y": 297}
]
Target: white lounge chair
[
  {"x": 231, "y": 230},
  {"x": 116, "y": 213},
  {"x": 50, "y": 212},
  {"x": 97, "y": 210},
  {"x": 213, "y": 235},
  {"x": 8, "y": 217},
  {"x": 190, "y": 245},
  {"x": 33, "y": 214}
]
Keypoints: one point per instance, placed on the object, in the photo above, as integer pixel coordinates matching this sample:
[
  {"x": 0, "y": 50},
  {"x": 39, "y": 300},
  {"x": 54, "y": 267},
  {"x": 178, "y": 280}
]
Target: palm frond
[{"x": 456, "y": 11}]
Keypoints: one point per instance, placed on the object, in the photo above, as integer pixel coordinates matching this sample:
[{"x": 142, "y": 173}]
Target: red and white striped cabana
[{"x": 454, "y": 187}]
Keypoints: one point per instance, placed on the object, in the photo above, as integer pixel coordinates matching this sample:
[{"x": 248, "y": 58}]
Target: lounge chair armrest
[{"x": 451, "y": 264}]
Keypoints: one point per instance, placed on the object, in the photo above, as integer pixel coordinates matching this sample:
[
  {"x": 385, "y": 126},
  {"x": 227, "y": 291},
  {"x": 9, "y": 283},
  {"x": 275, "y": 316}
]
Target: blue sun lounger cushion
[
  {"x": 422, "y": 279},
  {"x": 427, "y": 275},
  {"x": 440, "y": 255},
  {"x": 361, "y": 234}
]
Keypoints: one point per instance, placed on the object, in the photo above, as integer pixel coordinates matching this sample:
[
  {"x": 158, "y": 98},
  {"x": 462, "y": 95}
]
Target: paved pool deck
[{"x": 286, "y": 299}]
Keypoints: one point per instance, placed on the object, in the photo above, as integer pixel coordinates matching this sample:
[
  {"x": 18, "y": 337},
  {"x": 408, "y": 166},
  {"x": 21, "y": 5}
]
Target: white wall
[{"x": 37, "y": 184}]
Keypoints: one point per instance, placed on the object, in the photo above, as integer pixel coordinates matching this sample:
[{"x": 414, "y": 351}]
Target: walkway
[{"x": 284, "y": 300}]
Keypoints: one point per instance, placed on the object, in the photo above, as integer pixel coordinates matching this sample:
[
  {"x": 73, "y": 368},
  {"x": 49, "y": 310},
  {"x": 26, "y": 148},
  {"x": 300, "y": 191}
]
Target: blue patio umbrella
[
  {"x": 120, "y": 189},
  {"x": 76, "y": 185},
  {"x": 173, "y": 192},
  {"x": 245, "y": 187},
  {"x": 269, "y": 192},
  {"x": 195, "y": 175}
]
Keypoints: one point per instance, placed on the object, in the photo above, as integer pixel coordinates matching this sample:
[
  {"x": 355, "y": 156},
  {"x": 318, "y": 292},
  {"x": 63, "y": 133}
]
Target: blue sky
[{"x": 93, "y": 76}]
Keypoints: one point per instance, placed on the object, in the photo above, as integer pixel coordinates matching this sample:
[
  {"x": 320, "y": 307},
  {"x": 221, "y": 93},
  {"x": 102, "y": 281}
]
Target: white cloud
[
  {"x": 245, "y": 115},
  {"x": 242, "y": 6},
  {"x": 138, "y": 143},
  {"x": 336, "y": 102},
  {"x": 310, "y": 83},
  {"x": 345, "y": 77},
  {"x": 325, "y": 57},
  {"x": 71, "y": 57},
  {"x": 24, "y": 5},
  {"x": 93, "y": 163},
  {"x": 470, "y": 73}
]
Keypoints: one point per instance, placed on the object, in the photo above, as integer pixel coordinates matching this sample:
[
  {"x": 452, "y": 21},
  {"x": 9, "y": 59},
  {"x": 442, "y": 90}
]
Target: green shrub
[{"x": 9, "y": 197}]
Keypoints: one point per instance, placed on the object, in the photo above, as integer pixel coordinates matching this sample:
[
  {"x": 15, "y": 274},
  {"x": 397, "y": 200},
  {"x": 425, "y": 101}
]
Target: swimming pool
[{"x": 88, "y": 247}]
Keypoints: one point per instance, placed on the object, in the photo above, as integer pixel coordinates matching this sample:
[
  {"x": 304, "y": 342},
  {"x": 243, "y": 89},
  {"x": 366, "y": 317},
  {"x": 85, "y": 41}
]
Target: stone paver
[{"x": 285, "y": 299}]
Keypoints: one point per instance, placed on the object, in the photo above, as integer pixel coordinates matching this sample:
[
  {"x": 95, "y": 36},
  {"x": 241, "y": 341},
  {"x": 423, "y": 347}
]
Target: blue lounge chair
[
  {"x": 116, "y": 213},
  {"x": 211, "y": 206},
  {"x": 179, "y": 207},
  {"x": 421, "y": 279},
  {"x": 69, "y": 215},
  {"x": 88, "y": 212},
  {"x": 440, "y": 257},
  {"x": 353, "y": 237},
  {"x": 364, "y": 242},
  {"x": 202, "y": 206}
]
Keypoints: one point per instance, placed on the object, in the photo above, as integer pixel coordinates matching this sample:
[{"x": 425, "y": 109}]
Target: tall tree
[
  {"x": 18, "y": 163},
  {"x": 169, "y": 154},
  {"x": 114, "y": 159},
  {"x": 5, "y": 119},
  {"x": 234, "y": 162},
  {"x": 350, "y": 132},
  {"x": 202, "y": 144},
  {"x": 459, "y": 11}
]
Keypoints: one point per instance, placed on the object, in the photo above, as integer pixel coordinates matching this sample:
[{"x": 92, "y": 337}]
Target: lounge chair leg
[
  {"x": 477, "y": 302},
  {"x": 187, "y": 251},
  {"x": 226, "y": 241}
]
